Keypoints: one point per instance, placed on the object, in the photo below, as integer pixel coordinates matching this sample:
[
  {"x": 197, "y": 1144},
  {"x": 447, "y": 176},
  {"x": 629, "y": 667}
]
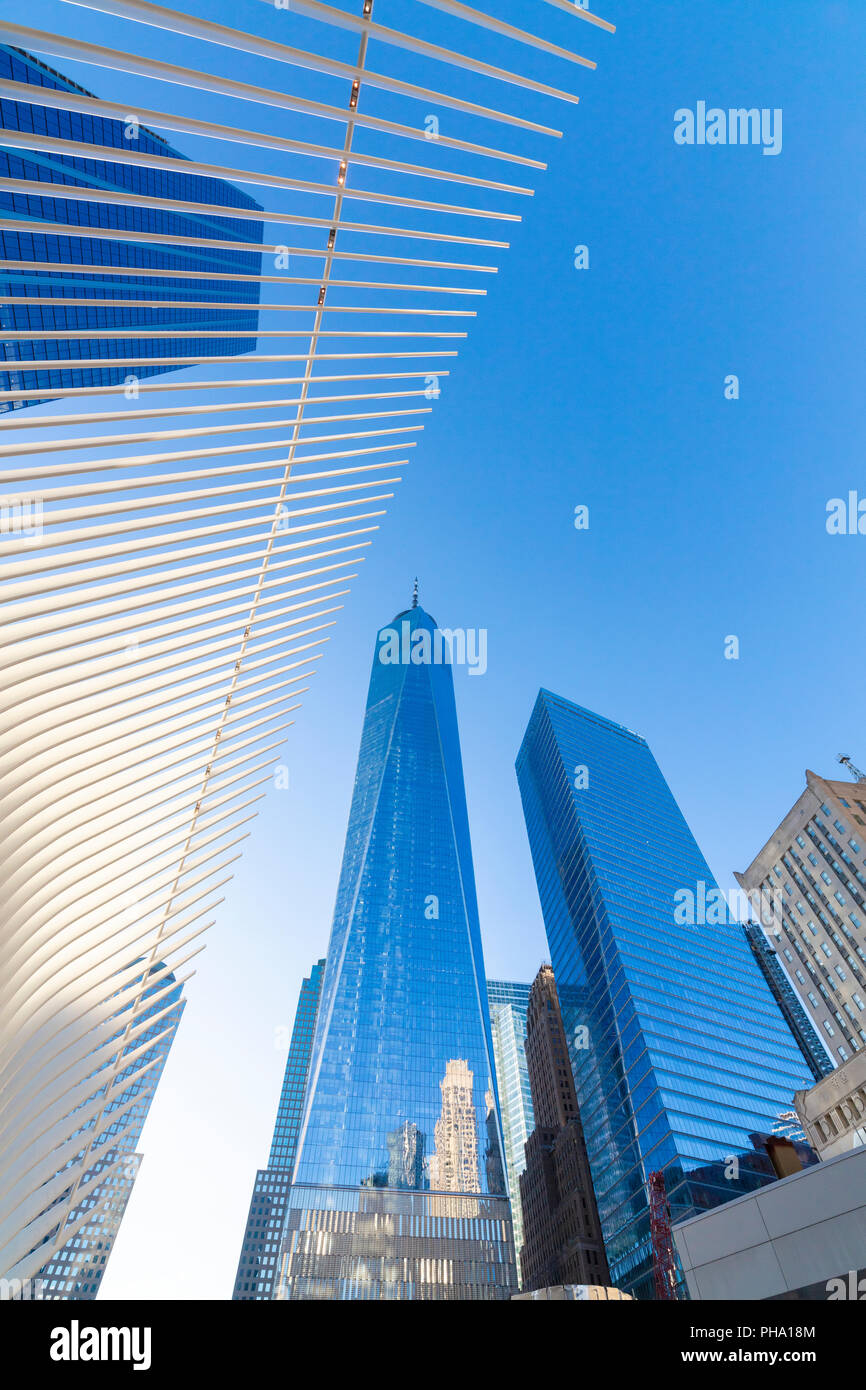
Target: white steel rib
[{"x": 165, "y": 609}]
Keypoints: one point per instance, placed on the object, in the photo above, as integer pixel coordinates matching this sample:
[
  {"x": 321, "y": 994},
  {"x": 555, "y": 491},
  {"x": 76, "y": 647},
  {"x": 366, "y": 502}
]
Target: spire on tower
[{"x": 415, "y": 593}]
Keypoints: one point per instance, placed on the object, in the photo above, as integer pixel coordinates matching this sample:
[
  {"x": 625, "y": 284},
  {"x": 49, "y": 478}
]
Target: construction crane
[
  {"x": 855, "y": 771},
  {"x": 664, "y": 1260}
]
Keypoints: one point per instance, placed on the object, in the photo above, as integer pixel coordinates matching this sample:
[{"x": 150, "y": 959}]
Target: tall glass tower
[
  {"x": 399, "y": 1189},
  {"x": 257, "y": 1266},
  {"x": 679, "y": 1051},
  {"x": 509, "y": 1002}
]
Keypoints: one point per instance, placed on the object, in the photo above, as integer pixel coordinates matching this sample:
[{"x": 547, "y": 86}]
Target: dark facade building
[
  {"x": 817, "y": 1058},
  {"x": 399, "y": 1188},
  {"x": 678, "y": 1048},
  {"x": 254, "y": 1281},
  {"x": 562, "y": 1234},
  {"x": 48, "y": 256}
]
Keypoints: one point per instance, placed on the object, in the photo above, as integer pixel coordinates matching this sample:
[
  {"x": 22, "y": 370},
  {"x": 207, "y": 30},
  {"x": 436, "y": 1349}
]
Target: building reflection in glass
[{"x": 454, "y": 1163}]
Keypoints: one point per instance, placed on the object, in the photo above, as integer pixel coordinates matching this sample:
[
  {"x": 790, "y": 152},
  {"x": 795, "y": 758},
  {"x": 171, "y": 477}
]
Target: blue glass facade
[
  {"x": 288, "y": 1124},
  {"x": 76, "y": 1270},
  {"x": 399, "y": 1188},
  {"x": 257, "y": 1264},
  {"x": 509, "y": 1002},
  {"x": 96, "y": 256},
  {"x": 818, "y": 1060},
  {"x": 678, "y": 1048}
]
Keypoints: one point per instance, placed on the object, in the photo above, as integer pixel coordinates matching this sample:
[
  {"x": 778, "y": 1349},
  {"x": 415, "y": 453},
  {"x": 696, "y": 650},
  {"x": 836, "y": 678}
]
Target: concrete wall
[{"x": 802, "y": 1230}]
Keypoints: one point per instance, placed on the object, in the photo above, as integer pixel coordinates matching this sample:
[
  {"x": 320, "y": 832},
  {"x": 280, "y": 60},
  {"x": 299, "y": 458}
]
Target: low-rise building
[{"x": 833, "y": 1113}]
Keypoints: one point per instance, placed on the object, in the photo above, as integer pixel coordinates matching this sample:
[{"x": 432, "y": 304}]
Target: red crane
[{"x": 664, "y": 1260}]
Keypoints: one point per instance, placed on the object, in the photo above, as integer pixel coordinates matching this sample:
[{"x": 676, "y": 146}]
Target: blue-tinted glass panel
[{"x": 680, "y": 1053}]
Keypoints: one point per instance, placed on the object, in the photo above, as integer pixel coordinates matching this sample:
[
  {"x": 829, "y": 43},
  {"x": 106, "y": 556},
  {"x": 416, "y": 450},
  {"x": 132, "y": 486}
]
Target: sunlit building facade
[
  {"x": 678, "y": 1049},
  {"x": 808, "y": 886},
  {"x": 399, "y": 1188}
]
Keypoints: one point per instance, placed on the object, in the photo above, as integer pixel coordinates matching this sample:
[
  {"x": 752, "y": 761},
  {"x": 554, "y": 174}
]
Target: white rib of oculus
[{"x": 175, "y": 549}]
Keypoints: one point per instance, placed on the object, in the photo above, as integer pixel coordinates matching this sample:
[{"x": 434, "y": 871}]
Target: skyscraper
[
  {"x": 817, "y": 1057},
  {"x": 808, "y": 886},
  {"x": 144, "y": 580},
  {"x": 563, "y": 1241},
  {"x": 508, "y": 1004},
  {"x": 257, "y": 1265},
  {"x": 399, "y": 1188},
  {"x": 127, "y": 1081},
  {"x": 59, "y": 281},
  {"x": 678, "y": 1048}
]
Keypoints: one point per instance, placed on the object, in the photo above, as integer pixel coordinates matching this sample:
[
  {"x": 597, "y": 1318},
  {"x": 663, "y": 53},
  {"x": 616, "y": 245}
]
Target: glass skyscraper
[
  {"x": 127, "y": 1080},
  {"x": 818, "y": 1060},
  {"x": 679, "y": 1050},
  {"x": 399, "y": 1189},
  {"x": 50, "y": 265},
  {"x": 509, "y": 1002},
  {"x": 257, "y": 1265}
]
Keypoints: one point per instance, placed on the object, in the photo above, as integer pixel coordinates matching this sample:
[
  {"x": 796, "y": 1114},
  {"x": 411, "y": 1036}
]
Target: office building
[
  {"x": 254, "y": 1281},
  {"x": 126, "y": 1085},
  {"x": 562, "y": 1233},
  {"x": 399, "y": 1187},
  {"x": 808, "y": 888},
  {"x": 678, "y": 1048},
  {"x": 508, "y": 1004},
  {"x": 818, "y": 1059},
  {"x": 57, "y": 282}
]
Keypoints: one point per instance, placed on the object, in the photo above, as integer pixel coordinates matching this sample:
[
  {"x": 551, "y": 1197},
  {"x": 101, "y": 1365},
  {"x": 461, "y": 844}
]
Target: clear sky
[{"x": 602, "y": 387}]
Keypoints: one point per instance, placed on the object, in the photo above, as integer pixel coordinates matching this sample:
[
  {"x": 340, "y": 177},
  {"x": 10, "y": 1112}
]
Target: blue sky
[{"x": 707, "y": 518}]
